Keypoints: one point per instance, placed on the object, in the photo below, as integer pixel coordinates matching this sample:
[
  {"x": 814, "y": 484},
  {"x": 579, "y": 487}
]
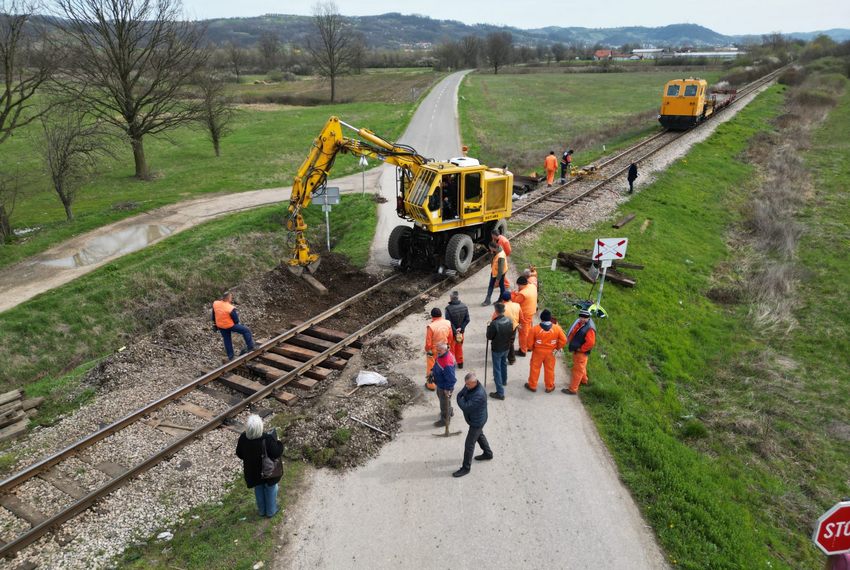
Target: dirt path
[
  {"x": 433, "y": 129},
  {"x": 551, "y": 498}
]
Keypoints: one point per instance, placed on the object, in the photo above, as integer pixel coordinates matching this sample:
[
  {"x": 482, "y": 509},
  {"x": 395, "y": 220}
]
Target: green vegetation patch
[
  {"x": 661, "y": 346},
  {"x": 517, "y": 119},
  {"x": 263, "y": 151},
  {"x": 227, "y": 534},
  {"x": 50, "y": 341}
]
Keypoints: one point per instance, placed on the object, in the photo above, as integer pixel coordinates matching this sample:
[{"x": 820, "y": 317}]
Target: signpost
[
  {"x": 363, "y": 164},
  {"x": 606, "y": 251},
  {"x": 832, "y": 531},
  {"x": 328, "y": 198}
]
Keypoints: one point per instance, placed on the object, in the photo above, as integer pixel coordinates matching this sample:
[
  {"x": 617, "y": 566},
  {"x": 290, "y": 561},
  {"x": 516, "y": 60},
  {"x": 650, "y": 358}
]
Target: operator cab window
[
  {"x": 472, "y": 187},
  {"x": 672, "y": 90},
  {"x": 690, "y": 91},
  {"x": 449, "y": 184}
]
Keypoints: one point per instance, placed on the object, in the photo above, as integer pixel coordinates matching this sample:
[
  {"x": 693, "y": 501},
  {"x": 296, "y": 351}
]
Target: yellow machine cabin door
[{"x": 472, "y": 195}]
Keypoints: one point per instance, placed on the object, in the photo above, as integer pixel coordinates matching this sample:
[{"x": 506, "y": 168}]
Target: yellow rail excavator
[{"x": 453, "y": 205}]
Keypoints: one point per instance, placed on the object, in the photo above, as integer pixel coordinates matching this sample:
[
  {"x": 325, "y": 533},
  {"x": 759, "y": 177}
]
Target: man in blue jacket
[
  {"x": 472, "y": 399},
  {"x": 443, "y": 373}
]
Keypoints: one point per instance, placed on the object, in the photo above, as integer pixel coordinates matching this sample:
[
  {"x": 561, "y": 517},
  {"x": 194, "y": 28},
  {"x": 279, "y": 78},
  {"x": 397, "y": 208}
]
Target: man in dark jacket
[
  {"x": 473, "y": 401},
  {"x": 500, "y": 333},
  {"x": 443, "y": 373},
  {"x": 457, "y": 314},
  {"x": 632, "y": 176}
]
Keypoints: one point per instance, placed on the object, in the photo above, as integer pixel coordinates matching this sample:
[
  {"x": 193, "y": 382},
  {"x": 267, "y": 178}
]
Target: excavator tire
[
  {"x": 397, "y": 245},
  {"x": 459, "y": 253},
  {"x": 501, "y": 226}
]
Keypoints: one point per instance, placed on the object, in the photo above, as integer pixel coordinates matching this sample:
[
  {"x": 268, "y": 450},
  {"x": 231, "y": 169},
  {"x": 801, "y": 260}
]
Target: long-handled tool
[
  {"x": 448, "y": 420},
  {"x": 486, "y": 358}
]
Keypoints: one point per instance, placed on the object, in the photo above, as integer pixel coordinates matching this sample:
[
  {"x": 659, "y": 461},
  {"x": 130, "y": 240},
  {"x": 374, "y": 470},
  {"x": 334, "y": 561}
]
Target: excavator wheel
[
  {"x": 501, "y": 226},
  {"x": 459, "y": 253},
  {"x": 399, "y": 241}
]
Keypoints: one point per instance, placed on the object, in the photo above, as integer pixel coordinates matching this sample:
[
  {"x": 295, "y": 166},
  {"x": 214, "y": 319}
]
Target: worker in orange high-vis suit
[
  {"x": 548, "y": 337},
  {"x": 526, "y": 296},
  {"x": 498, "y": 271},
  {"x": 551, "y": 165},
  {"x": 582, "y": 338},
  {"x": 226, "y": 321},
  {"x": 438, "y": 330}
]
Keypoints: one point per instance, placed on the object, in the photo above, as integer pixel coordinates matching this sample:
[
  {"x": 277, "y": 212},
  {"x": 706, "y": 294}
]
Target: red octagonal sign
[{"x": 832, "y": 533}]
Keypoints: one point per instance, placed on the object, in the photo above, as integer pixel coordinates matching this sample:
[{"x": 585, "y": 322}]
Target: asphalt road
[{"x": 551, "y": 497}]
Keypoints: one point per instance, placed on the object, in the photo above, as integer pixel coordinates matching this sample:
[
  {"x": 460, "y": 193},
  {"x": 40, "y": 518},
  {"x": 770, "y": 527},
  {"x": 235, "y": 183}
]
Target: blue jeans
[
  {"x": 500, "y": 371},
  {"x": 228, "y": 341},
  {"x": 266, "y": 499},
  {"x": 492, "y": 285}
]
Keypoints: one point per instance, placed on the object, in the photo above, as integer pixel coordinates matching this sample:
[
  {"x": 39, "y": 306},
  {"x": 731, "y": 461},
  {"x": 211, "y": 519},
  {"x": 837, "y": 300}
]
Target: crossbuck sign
[{"x": 606, "y": 251}]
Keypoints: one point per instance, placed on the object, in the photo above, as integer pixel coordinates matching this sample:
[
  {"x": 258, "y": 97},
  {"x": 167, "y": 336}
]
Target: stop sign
[{"x": 832, "y": 533}]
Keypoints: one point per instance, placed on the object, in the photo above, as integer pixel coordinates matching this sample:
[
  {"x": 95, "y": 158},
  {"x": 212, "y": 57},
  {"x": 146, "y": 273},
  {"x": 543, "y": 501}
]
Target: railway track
[
  {"x": 301, "y": 356},
  {"x": 552, "y": 204}
]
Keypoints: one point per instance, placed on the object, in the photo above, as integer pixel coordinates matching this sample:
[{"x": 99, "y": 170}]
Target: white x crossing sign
[{"x": 606, "y": 250}]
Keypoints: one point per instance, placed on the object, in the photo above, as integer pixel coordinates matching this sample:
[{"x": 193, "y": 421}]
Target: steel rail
[
  {"x": 72, "y": 510},
  {"x": 59, "y": 456}
]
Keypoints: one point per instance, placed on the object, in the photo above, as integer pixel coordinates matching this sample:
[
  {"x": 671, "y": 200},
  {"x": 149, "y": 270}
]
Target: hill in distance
[{"x": 394, "y": 30}]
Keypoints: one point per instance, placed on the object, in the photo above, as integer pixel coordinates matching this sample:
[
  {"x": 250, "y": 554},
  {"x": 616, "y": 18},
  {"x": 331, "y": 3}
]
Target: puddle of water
[{"x": 119, "y": 243}]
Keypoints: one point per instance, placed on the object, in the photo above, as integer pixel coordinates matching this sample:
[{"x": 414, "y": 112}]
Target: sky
[{"x": 730, "y": 17}]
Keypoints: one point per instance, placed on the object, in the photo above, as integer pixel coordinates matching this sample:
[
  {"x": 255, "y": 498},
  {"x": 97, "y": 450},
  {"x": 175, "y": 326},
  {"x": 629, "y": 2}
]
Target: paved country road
[
  {"x": 550, "y": 498},
  {"x": 85, "y": 253}
]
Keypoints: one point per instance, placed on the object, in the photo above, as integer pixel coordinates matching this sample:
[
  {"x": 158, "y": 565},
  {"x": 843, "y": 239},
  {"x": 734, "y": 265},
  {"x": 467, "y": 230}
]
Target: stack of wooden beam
[
  {"x": 582, "y": 262},
  {"x": 15, "y": 413}
]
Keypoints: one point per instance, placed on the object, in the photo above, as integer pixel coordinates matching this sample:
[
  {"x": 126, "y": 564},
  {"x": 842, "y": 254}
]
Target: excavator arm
[{"x": 311, "y": 178}]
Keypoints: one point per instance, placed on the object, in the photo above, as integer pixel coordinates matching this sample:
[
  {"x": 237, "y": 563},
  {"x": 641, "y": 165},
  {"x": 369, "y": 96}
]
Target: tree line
[{"x": 106, "y": 73}]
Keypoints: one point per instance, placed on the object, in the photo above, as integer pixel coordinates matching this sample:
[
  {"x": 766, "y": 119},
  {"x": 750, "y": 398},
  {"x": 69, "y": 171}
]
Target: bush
[{"x": 793, "y": 76}]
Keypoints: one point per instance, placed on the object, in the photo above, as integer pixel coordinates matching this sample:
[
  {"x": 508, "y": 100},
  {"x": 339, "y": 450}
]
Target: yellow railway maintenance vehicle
[
  {"x": 453, "y": 205},
  {"x": 687, "y": 102}
]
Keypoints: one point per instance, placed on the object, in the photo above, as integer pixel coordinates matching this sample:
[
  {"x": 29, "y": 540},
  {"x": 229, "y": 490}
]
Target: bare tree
[
  {"x": 218, "y": 108},
  {"x": 132, "y": 58},
  {"x": 10, "y": 189},
  {"x": 470, "y": 47},
  {"x": 237, "y": 57},
  {"x": 72, "y": 146},
  {"x": 331, "y": 50},
  {"x": 269, "y": 45},
  {"x": 358, "y": 53},
  {"x": 24, "y": 65},
  {"x": 559, "y": 51},
  {"x": 498, "y": 48}
]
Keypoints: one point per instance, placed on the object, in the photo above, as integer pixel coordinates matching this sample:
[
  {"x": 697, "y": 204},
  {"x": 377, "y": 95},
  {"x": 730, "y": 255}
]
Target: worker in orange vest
[
  {"x": 513, "y": 312},
  {"x": 551, "y": 165},
  {"x": 226, "y": 321},
  {"x": 498, "y": 271},
  {"x": 526, "y": 296},
  {"x": 582, "y": 338},
  {"x": 503, "y": 241},
  {"x": 438, "y": 330},
  {"x": 547, "y": 337}
]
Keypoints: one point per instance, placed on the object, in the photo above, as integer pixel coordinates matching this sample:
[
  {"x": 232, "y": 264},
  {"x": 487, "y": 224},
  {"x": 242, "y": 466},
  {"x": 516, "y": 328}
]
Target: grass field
[
  {"x": 263, "y": 151},
  {"x": 397, "y": 86},
  {"x": 517, "y": 119},
  {"x": 49, "y": 342}
]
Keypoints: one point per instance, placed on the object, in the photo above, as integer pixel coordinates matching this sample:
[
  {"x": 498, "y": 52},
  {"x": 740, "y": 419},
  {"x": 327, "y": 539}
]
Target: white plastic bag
[{"x": 366, "y": 378}]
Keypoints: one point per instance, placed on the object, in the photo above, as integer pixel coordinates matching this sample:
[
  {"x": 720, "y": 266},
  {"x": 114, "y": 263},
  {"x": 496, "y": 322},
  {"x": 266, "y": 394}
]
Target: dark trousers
[
  {"x": 565, "y": 168},
  {"x": 631, "y": 185},
  {"x": 493, "y": 284},
  {"x": 445, "y": 399},
  {"x": 228, "y": 341},
  {"x": 511, "y": 352},
  {"x": 473, "y": 436}
]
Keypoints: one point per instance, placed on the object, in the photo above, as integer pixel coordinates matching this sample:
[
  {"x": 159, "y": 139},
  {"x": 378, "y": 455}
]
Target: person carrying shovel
[{"x": 444, "y": 377}]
